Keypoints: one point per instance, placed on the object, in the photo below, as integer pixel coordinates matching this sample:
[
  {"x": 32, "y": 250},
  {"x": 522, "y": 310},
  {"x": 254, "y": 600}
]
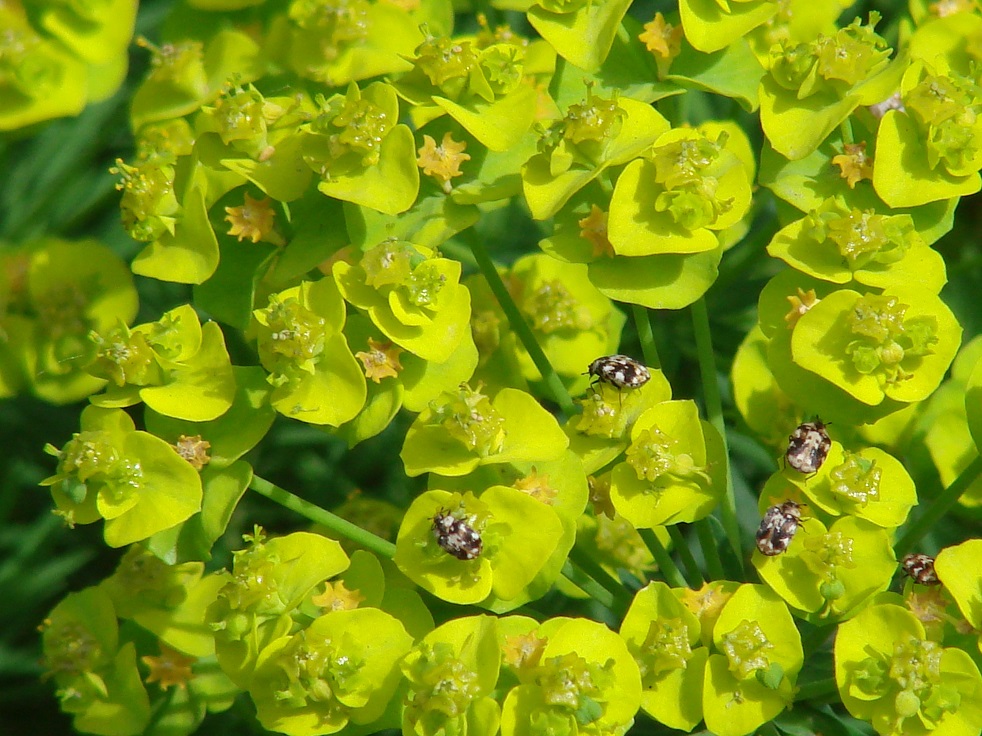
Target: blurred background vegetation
[{"x": 55, "y": 180}]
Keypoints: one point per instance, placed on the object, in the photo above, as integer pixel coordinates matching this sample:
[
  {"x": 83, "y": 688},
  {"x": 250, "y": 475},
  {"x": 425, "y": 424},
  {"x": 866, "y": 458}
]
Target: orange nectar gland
[
  {"x": 778, "y": 527},
  {"x": 381, "y": 360},
  {"x": 194, "y": 450},
  {"x": 442, "y": 162},
  {"x": 253, "y": 220},
  {"x": 661, "y": 38},
  {"x": 800, "y": 304},
  {"x": 808, "y": 446},
  {"x": 170, "y": 668},
  {"x": 593, "y": 228},
  {"x": 854, "y": 165}
]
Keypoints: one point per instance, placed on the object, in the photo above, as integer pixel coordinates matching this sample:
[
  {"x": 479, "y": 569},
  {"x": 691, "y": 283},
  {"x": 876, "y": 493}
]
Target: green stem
[
  {"x": 814, "y": 639},
  {"x": 674, "y": 109},
  {"x": 816, "y": 689},
  {"x": 459, "y": 252},
  {"x": 325, "y": 518},
  {"x": 63, "y": 154},
  {"x": 521, "y": 328},
  {"x": 745, "y": 255},
  {"x": 605, "y": 182},
  {"x": 845, "y": 128},
  {"x": 640, "y": 57},
  {"x": 647, "y": 337},
  {"x": 941, "y": 505},
  {"x": 161, "y": 708},
  {"x": 714, "y": 565},
  {"x": 692, "y": 572},
  {"x": 665, "y": 563},
  {"x": 714, "y": 409},
  {"x": 99, "y": 196},
  {"x": 590, "y": 567},
  {"x": 588, "y": 585},
  {"x": 558, "y": 75},
  {"x": 490, "y": 12}
]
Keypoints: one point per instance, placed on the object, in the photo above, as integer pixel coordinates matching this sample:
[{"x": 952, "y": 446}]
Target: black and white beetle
[
  {"x": 456, "y": 537},
  {"x": 808, "y": 446},
  {"x": 778, "y": 528},
  {"x": 620, "y": 371},
  {"x": 920, "y": 568}
]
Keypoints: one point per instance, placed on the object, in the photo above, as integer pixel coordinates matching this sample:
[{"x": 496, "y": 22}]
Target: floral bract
[
  {"x": 830, "y": 573},
  {"x": 268, "y": 581},
  {"x": 341, "y": 668},
  {"x": 888, "y": 672},
  {"x": 869, "y": 484},
  {"x": 464, "y": 429},
  {"x": 561, "y": 485},
  {"x": 751, "y": 675},
  {"x": 813, "y": 86},
  {"x": 451, "y": 674},
  {"x": 408, "y": 227},
  {"x": 412, "y": 295},
  {"x": 585, "y": 681},
  {"x": 58, "y": 58},
  {"x": 930, "y": 147},
  {"x": 613, "y": 541},
  {"x": 602, "y": 431},
  {"x": 55, "y": 294},
  {"x": 957, "y": 567},
  {"x": 671, "y": 201},
  {"x": 665, "y": 477},
  {"x": 894, "y": 345},
  {"x": 580, "y": 32},
  {"x": 359, "y": 151},
  {"x": 713, "y": 26},
  {"x": 169, "y": 601},
  {"x": 478, "y": 82},
  {"x": 663, "y": 636},
  {"x": 568, "y": 315},
  {"x": 232, "y": 434},
  {"x": 518, "y": 534},
  {"x": 96, "y": 676},
  {"x": 838, "y": 245},
  {"x": 596, "y": 133},
  {"x": 133, "y": 480},
  {"x": 358, "y": 41},
  {"x": 315, "y": 377},
  {"x": 176, "y": 366},
  {"x": 397, "y": 378}
]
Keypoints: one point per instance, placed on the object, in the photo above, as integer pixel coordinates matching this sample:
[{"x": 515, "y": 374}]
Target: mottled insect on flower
[
  {"x": 778, "y": 528},
  {"x": 456, "y": 536},
  {"x": 920, "y": 568},
  {"x": 620, "y": 371},
  {"x": 808, "y": 446}
]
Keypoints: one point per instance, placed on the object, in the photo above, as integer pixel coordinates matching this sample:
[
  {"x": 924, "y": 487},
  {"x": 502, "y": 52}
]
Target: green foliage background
[{"x": 55, "y": 180}]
